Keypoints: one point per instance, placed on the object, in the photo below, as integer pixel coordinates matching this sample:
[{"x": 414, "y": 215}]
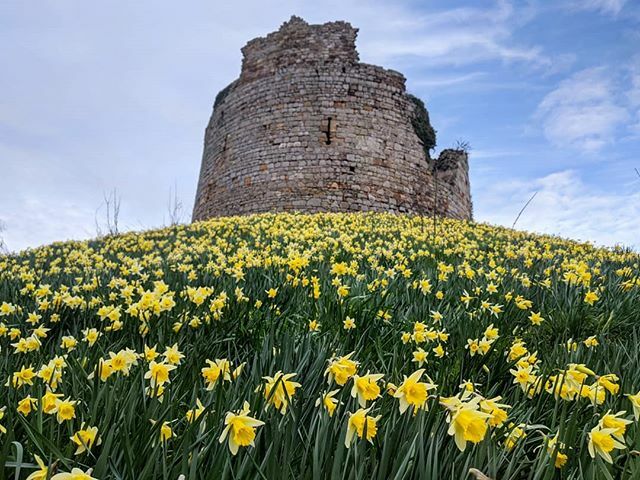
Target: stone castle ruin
[{"x": 309, "y": 128}]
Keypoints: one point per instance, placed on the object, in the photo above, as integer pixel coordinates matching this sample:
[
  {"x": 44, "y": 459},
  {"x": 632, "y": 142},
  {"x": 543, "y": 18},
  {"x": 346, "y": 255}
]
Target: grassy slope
[{"x": 386, "y": 256}]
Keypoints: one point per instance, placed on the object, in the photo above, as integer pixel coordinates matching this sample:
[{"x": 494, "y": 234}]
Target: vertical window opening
[{"x": 329, "y": 129}]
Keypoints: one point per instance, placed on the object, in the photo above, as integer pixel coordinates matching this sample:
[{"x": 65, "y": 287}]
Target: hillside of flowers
[{"x": 342, "y": 346}]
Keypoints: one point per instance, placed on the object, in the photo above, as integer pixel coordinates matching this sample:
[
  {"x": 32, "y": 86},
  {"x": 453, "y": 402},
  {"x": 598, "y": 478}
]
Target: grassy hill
[{"x": 357, "y": 346}]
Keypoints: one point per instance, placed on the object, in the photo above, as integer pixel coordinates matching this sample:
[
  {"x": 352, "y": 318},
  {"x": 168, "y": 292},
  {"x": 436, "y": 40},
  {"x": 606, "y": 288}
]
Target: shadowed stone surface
[{"x": 309, "y": 128}]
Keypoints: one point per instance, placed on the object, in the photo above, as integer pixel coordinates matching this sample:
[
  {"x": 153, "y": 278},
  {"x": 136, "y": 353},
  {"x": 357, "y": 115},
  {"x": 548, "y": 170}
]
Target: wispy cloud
[
  {"x": 447, "y": 80},
  {"x": 584, "y": 111},
  {"x": 456, "y": 37},
  {"x": 608, "y": 7},
  {"x": 565, "y": 205}
]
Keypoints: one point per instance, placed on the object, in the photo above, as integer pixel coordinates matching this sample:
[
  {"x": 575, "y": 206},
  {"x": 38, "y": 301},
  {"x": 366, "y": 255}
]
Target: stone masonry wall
[{"x": 308, "y": 128}]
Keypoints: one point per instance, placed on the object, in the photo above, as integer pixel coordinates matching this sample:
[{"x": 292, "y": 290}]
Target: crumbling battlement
[
  {"x": 308, "y": 127},
  {"x": 298, "y": 43}
]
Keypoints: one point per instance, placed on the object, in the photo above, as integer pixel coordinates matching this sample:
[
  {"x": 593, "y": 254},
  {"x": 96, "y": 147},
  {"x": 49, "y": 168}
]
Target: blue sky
[{"x": 103, "y": 95}]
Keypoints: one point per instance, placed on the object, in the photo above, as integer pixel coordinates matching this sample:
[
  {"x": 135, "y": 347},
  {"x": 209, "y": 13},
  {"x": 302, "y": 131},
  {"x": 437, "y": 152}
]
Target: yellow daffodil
[
  {"x": 193, "y": 414},
  {"x": 65, "y": 410},
  {"x": 279, "y": 390},
  {"x": 2, "y": 428},
  {"x": 413, "y": 393},
  {"x": 328, "y": 401},
  {"x": 635, "y": 403},
  {"x": 240, "y": 428},
  {"x": 85, "y": 438},
  {"x": 26, "y": 405},
  {"x": 554, "y": 448},
  {"x": 602, "y": 442},
  {"x": 158, "y": 373},
  {"x": 515, "y": 433},
  {"x": 613, "y": 421},
  {"x": 217, "y": 369},
  {"x": 41, "y": 473},
  {"x": 341, "y": 369},
  {"x": 591, "y": 297},
  {"x": 366, "y": 387},
  {"x": 349, "y": 323},
  {"x": 467, "y": 423},
  {"x": 361, "y": 424},
  {"x": 498, "y": 411}
]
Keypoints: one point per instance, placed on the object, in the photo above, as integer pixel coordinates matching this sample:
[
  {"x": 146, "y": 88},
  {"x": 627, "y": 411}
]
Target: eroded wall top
[{"x": 298, "y": 43}]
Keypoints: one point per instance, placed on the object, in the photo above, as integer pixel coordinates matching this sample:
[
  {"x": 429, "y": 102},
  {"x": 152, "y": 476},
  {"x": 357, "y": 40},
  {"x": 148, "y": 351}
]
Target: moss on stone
[{"x": 422, "y": 125}]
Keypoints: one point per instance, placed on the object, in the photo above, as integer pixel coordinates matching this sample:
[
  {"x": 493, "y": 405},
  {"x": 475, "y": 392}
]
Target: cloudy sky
[{"x": 102, "y": 95}]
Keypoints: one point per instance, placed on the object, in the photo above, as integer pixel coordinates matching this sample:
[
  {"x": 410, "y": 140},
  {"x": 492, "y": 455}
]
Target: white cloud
[
  {"x": 442, "y": 81},
  {"x": 565, "y": 205},
  {"x": 47, "y": 222},
  {"x": 609, "y": 7},
  {"x": 584, "y": 111},
  {"x": 453, "y": 37}
]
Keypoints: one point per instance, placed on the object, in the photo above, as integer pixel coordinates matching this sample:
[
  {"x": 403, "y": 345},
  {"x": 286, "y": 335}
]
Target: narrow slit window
[{"x": 329, "y": 130}]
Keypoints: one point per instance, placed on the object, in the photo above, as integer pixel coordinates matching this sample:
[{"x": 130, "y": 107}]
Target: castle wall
[{"x": 307, "y": 127}]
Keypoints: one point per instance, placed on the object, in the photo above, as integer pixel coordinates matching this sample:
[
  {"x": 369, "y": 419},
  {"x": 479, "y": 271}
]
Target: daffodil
[
  {"x": 554, "y": 448},
  {"x": 91, "y": 336},
  {"x": 613, "y": 421},
  {"x": 414, "y": 393},
  {"x": 341, "y": 369},
  {"x": 23, "y": 377},
  {"x": 609, "y": 382},
  {"x": 26, "y": 405},
  {"x": 172, "y": 355},
  {"x": 150, "y": 353},
  {"x": 158, "y": 373},
  {"x": 65, "y": 410},
  {"x": 240, "y": 428},
  {"x": 467, "y": 423},
  {"x": 279, "y": 390},
  {"x": 166, "y": 432},
  {"x": 2, "y": 428},
  {"x": 85, "y": 438},
  {"x": 635, "y": 403},
  {"x": 41, "y": 473},
  {"x": 591, "y": 297},
  {"x": 349, "y": 323},
  {"x": 515, "y": 433},
  {"x": 591, "y": 342},
  {"x": 217, "y": 369},
  {"x": 602, "y": 442},
  {"x": 366, "y": 387},
  {"x": 498, "y": 411},
  {"x": 419, "y": 357},
  {"x": 329, "y": 402},
  {"x": 193, "y": 414},
  {"x": 536, "y": 318},
  {"x": 361, "y": 424},
  {"x": 524, "y": 377}
]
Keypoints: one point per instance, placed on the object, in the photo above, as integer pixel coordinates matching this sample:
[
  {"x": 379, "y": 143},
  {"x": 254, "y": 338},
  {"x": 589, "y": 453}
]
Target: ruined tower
[{"x": 309, "y": 128}]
